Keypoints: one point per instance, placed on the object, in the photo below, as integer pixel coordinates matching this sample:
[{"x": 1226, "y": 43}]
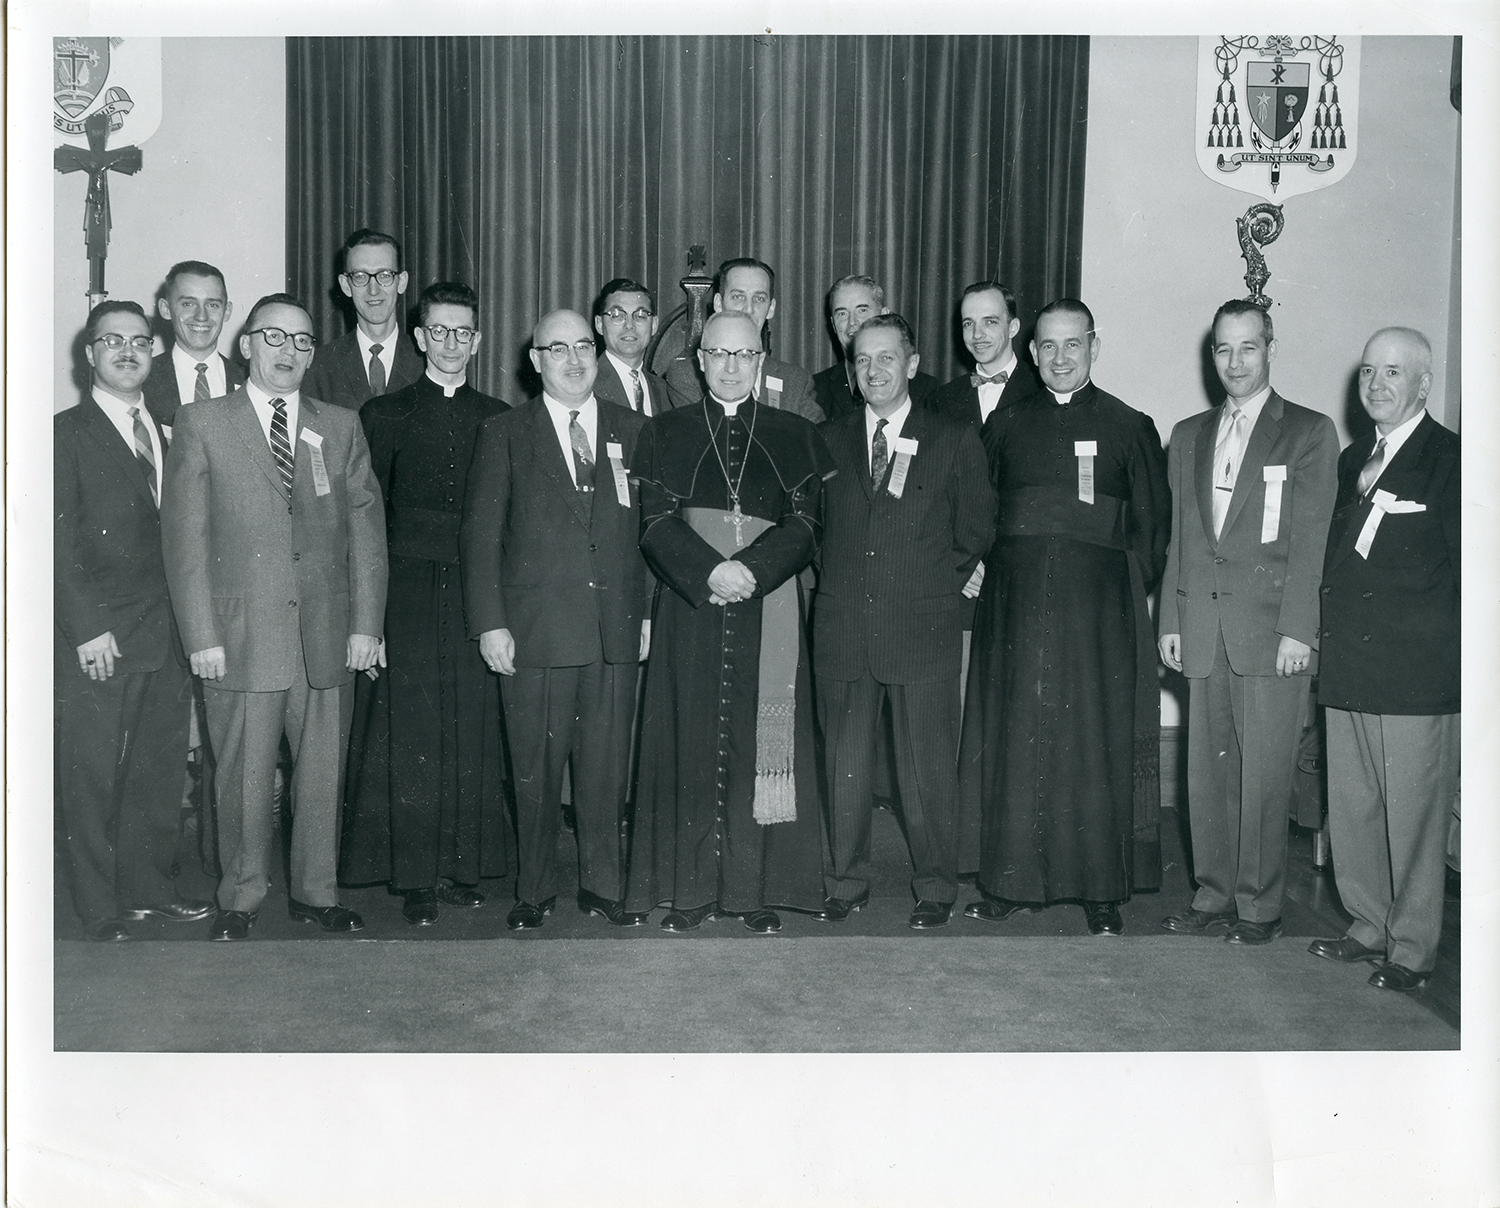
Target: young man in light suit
[
  {"x": 274, "y": 537},
  {"x": 1252, "y": 494}
]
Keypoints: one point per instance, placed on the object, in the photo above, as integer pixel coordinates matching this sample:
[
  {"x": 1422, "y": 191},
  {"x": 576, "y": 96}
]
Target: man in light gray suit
[{"x": 274, "y": 539}]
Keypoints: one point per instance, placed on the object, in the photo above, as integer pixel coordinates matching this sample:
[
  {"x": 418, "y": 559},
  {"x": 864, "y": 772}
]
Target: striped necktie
[
  {"x": 200, "y": 387},
  {"x": 1371, "y": 472},
  {"x": 1227, "y": 465},
  {"x": 143, "y": 453},
  {"x": 281, "y": 448}
]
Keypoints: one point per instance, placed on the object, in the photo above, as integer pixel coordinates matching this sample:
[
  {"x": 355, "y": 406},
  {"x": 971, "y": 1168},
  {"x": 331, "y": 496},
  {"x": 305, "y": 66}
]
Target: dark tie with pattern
[
  {"x": 281, "y": 448},
  {"x": 377, "y": 370},
  {"x": 200, "y": 387},
  {"x": 143, "y": 451},
  {"x": 583, "y": 460},
  {"x": 1372, "y": 468},
  {"x": 879, "y": 456},
  {"x": 978, "y": 379},
  {"x": 640, "y": 398}
]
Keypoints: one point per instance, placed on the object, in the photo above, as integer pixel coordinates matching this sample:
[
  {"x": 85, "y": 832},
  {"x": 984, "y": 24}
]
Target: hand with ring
[{"x": 1292, "y": 656}]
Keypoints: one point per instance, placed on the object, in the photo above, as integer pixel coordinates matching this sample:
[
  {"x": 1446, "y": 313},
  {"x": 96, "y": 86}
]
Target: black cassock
[
  {"x": 1059, "y": 765},
  {"x": 425, "y": 796},
  {"x": 695, "y": 839}
]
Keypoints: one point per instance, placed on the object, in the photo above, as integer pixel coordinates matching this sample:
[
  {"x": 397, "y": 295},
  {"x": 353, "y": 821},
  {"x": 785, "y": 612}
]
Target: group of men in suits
[{"x": 245, "y": 536}]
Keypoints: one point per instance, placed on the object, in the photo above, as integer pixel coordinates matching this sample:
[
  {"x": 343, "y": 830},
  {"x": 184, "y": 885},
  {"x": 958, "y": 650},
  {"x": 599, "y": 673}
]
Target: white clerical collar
[
  {"x": 1064, "y": 399},
  {"x": 448, "y": 391},
  {"x": 730, "y": 409}
]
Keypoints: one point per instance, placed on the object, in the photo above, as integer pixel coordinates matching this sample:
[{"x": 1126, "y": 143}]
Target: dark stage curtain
[{"x": 537, "y": 168}]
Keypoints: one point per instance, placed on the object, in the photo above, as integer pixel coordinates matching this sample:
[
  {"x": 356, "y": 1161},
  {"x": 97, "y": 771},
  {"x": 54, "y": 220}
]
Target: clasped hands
[
  {"x": 730, "y": 583},
  {"x": 364, "y": 653}
]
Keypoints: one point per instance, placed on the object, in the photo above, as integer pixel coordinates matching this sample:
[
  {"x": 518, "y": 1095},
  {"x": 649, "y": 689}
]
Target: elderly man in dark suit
[
  {"x": 274, "y": 537},
  {"x": 905, "y": 521},
  {"x": 120, "y": 678},
  {"x": 1391, "y": 667},
  {"x": 377, "y": 357},
  {"x": 851, "y": 301},
  {"x": 555, "y": 589},
  {"x": 1252, "y": 494},
  {"x": 748, "y": 287},
  {"x": 626, "y": 320},
  {"x": 192, "y": 370}
]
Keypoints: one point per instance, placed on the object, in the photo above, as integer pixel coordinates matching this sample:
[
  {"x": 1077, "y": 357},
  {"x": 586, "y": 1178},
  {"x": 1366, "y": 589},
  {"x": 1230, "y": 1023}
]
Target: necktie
[
  {"x": 583, "y": 460},
  {"x": 1372, "y": 468},
  {"x": 1227, "y": 466},
  {"x": 879, "y": 456},
  {"x": 377, "y": 370},
  {"x": 978, "y": 379},
  {"x": 200, "y": 387},
  {"x": 281, "y": 448},
  {"x": 143, "y": 448},
  {"x": 639, "y": 400}
]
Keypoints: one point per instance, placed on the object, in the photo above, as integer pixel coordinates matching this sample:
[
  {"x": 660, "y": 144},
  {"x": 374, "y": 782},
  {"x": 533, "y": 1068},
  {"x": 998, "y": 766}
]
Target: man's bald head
[
  {"x": 563, "y": 352},
  {"x": 1395, "y": 376},
  {"x": 730, "y": 355}
]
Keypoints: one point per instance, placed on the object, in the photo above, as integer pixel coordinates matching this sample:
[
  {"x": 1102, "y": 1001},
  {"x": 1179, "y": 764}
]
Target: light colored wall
[
  {"x": 212, "y": 187},
  {"x": 1160, "y": 250}
]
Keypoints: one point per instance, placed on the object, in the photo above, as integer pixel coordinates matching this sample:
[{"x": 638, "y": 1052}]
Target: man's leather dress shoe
[
  {"x": 836, "y": 910},
  {"x": 420, "y": 907},
  {"x": 1249, "y": 934},
  {"x": 608, "y": 908},
  {"x": 231, "y": 925},
  {"x": 928, "y": 915},
  {"x": 330, "y": 918},
  {"x": 105, "y": 931},
  {"x": 524, "y": 916},
  {"x": 997, "y": 910},
  {"x": 1199, "y": 922},
  {"x": 1398, "y": 978},
  {"x": 689, "y": 920},
  {"x": 762, "y": 922},
  {"x": 1104, "y": 918},
  {"x": 183, "y": 910},
  {"x": 464, "y": 896},
  {"x": 1345, "y": 950}
]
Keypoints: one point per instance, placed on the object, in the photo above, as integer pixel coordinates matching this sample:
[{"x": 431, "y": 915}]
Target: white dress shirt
[
  {"x": 624, "y": 370},
  {"x": 386, "y": 355},
  {"x": 893, "y": 426},
  {"x": 118, "y": 412},
  {"x": 990, "y": 392},
  {"x": 588, "y": 420},
  {"x": 185, "y": 369},
  {"x": 1397, "y": 438},
  {"x": 1226, "y": 475},
  {"x": 264, "y": 412}
]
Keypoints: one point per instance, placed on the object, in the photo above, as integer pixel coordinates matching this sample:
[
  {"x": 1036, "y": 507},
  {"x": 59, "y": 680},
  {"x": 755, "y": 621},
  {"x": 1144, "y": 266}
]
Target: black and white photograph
[{"x": 752, "y": 605}]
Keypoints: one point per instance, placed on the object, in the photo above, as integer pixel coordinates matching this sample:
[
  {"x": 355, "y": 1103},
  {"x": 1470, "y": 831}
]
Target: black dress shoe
[
  {"x": 231, "y": 925},
  {"x": 464, "y": 896},
  {"x": 997, "y": 910},
  {"x": 420, "y": 907},
  {"x": 1199, "y": 922},
  {"x": 1104, "y": 918},
  {"x": 330, "y": 918},
  {"x": 1398, "y": 978},
  {"x": 1345, "y": 950},
  {"x": 524, "y": 916},
  {"x": 105, "y": 931},
  {"x": 183, "y": 910},
  {"x": 836, "y": 910},
  {"x": 591, "y": 903},
  {"x": 928, "y": 915},
  {"x": 762, "y": 922},
  {"x": 689, "y": 920},
  {"x": 1249, "y": 934}
]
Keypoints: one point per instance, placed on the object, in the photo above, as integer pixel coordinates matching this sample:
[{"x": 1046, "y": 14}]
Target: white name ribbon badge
[
  {"x": 773, "y": 392},
  {"x": 1383, "y": 502},
  {"x": 905, "y": 449},
  {"x": 616, "y": 454},
  {"x": 314, "y": 444},
  {"x": 1270, "y": 520},
  {"x": 1086, "y": 451}
]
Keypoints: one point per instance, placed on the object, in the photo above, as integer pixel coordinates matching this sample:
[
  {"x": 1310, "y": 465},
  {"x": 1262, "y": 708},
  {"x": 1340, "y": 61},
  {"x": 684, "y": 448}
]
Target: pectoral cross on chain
[{"x": 738, "y": 519}]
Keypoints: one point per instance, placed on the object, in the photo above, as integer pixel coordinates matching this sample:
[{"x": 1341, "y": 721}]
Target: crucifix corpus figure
[{"x": 98, "y": 162}]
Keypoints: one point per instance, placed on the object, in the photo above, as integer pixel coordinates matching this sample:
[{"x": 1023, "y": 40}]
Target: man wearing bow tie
[
  {"x": 1391, "y": 667},
  {"x": 988, "y": 313}
]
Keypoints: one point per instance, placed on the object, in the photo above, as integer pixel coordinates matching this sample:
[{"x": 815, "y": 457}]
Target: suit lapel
[
  {"x": 549, "y": 455},
  {"x": 855, "y": 449},
  {"x": 1203, "y": 470},
  {"x": 242, "y": 418},
  {"x": 1253, "y": 463},
  {"x": 123, "y": 455}
]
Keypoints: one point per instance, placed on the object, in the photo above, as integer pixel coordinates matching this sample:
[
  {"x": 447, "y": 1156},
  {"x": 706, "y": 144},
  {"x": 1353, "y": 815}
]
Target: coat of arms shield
[{"x": 119, "y": 77}]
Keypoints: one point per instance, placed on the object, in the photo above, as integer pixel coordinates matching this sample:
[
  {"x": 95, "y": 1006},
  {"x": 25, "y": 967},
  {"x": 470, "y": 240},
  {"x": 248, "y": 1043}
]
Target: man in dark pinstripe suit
[{"x": 906, "y": 519}]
